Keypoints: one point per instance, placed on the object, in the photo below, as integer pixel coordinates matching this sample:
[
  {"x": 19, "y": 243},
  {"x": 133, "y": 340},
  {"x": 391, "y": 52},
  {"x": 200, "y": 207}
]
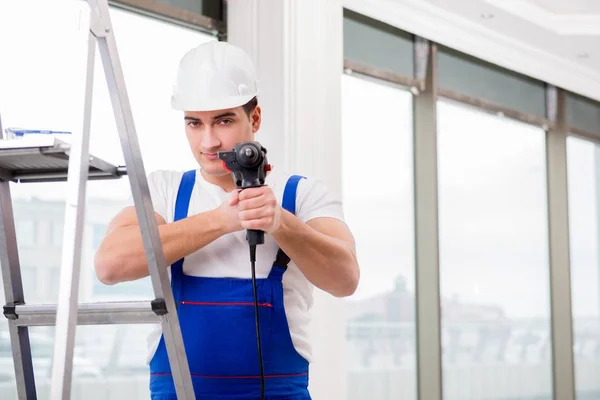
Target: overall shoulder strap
[
  {"x": 186, "y": 186},
  {"x": 289, "y": 193},
  {"x": 289, "y": 203},
  {"x": 184, "y": 194}
]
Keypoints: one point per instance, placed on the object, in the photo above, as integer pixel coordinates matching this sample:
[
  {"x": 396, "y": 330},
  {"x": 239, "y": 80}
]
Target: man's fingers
[
  {"x": 260, "y": 224},
  {"x": 234, "y": 198},
  {"x": 267, "y": 199},
  {"x": 253, "y": 192},
  {"x": 252, "y": 203},
  {"x": 255, "y": 214}
]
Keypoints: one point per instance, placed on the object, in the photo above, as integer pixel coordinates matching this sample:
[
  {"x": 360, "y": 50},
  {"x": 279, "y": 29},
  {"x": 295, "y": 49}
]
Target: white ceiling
[
  {"x": 569, "y": 6},
  {"x": 567, "y": 28},
  {"x": 557, "y": 41}
]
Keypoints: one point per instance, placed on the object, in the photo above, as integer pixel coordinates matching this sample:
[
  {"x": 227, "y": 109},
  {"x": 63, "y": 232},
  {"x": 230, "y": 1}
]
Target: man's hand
[
  {"x": 229, "y": 214},
  {"x": 258, "y": 209}
]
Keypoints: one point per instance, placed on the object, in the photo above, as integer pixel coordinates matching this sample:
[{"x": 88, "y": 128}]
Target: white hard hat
[{"x": 214, "y": 76}]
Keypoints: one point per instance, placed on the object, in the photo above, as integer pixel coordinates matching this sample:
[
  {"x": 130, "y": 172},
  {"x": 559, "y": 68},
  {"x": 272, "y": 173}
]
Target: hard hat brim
[{"x": 213, "y": 105}]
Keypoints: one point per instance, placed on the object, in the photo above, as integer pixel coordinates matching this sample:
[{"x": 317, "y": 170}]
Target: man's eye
[
  {"x": 225, "y": 122},
  {"x": 193, "y": 124}
]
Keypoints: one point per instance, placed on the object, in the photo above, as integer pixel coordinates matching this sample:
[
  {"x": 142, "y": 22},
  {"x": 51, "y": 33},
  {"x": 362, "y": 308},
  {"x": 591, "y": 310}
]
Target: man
[{"x": 202, "y": 220}]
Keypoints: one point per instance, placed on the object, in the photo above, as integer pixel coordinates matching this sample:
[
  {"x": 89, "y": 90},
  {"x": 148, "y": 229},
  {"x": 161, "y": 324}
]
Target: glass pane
[
  {"x": 493, "y": 257},
  {"x": 394, "y": 49},
  {"x": 583, "y": 113},
  {"x": 584, "y": 197},
  {"x": 473, "y": 77},
  {"x": 109, "y": 362},
  {"x": 209, "y": 8},
  {"x": 380, "y": 330},
  {"x": 49, "y": 94}
]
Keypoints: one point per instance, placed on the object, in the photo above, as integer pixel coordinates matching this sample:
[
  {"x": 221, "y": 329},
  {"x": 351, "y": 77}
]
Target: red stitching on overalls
[{"x": 236, "y": 376}]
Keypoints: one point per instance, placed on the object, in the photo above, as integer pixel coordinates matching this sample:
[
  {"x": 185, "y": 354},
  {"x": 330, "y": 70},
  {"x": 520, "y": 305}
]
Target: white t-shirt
[{"x": 228, "y": 255}]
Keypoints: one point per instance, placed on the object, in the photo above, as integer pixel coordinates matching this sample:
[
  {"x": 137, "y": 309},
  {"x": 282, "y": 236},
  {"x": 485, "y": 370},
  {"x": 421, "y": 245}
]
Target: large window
[
  {"x": 42, "y": 81},
  {"x": 493, "y": 220},
  {"x": 493, "y": 257},
  {"x": 584, "y": 197},
  {"x": 378, "y": 203}
]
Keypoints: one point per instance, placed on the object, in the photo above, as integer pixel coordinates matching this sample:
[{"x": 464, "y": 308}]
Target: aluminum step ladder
[{"x": 47, "y": 159}]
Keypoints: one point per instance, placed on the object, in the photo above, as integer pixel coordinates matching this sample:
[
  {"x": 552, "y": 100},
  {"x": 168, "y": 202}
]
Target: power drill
[{"x": 248, "y": 165}]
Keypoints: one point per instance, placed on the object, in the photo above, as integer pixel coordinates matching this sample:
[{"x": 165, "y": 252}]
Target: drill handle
[{"x": 255, "y": 237}]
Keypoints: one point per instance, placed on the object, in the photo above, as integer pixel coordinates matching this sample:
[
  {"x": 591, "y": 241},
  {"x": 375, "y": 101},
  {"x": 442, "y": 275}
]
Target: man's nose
[{"x": 210, "y": 140}]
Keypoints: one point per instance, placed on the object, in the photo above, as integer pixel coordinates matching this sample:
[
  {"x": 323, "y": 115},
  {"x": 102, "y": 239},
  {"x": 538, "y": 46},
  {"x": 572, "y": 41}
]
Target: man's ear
[{"x": 256, "y": 119}]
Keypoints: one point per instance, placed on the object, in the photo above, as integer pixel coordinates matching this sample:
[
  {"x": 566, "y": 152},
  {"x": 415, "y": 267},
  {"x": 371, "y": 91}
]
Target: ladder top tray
[{"x": 46, "y": 159}]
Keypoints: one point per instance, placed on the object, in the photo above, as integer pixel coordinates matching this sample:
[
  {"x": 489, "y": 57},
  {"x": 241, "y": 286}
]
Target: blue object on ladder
[{"x": 21, "y": 132}]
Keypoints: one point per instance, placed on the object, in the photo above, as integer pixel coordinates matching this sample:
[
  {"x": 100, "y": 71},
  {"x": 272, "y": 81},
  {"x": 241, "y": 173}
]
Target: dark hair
[{"x": 250, "y": 106}]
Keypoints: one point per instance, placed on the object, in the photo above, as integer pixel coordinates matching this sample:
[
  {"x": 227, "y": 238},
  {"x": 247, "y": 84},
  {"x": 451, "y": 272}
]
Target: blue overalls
[{"x": 217, "y": 321}]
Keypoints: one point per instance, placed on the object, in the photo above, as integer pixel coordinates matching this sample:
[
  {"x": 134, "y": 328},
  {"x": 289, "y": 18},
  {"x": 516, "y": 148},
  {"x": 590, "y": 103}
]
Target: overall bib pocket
[{"x": 220, "y": 336}]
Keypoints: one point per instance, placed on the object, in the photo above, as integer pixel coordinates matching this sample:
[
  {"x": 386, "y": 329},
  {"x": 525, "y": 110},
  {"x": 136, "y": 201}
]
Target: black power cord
[
  {"x": 247, "y": 162},
  {"x": 260, "y": 359}
]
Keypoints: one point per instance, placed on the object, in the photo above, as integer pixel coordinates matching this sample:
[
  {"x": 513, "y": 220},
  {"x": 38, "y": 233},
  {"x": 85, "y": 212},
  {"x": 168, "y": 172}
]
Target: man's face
[{"x": 209, "y": 132}]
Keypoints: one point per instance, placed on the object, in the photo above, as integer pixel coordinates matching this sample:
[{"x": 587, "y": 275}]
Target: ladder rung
[{"x": 122, "y": 312}]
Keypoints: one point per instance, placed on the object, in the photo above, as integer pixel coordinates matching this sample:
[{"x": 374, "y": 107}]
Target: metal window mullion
[
  {"x": 560, "y": 270},
  {"x": 583, "y": 134},
  {"x": 355, "y": 67},
  {"x": 427, "y": 274},
  {"x": 488, "y": 106}
]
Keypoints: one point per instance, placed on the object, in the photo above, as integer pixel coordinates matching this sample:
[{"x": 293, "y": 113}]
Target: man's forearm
[
  {"x": 328, "y": 263},
  {"x": 121, "y": 257}
]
